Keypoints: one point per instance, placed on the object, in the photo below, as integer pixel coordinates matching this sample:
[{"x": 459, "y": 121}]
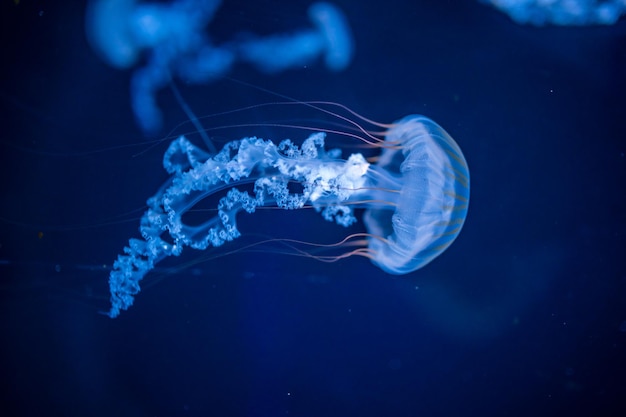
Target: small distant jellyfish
[
  {"x": 329, "y": 37},
  {"x": 414, "y": 197},
  {"x": 171, "y": 39},
  {"x": 562, "y": 12}
]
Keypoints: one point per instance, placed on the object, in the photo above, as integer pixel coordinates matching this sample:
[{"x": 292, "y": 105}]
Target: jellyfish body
[
  {"x": 416, "y": 197},
  {"x": 431, "y": 204}
]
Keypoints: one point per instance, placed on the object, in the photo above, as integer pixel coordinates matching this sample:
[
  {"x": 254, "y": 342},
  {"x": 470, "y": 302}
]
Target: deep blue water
[{"x": 523, "y": 315}]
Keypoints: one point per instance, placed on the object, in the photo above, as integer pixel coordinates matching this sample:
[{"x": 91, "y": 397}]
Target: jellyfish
[
  {"x": 562, "y": 12},
  {"x": 415, "y": 197},
  {"x": 171, "y": 38},
  {"x": 330, "y": 37}
]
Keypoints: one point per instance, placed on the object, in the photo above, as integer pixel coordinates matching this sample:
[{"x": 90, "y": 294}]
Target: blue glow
[
  {"x": 171, "y": 39},
  {"x": 416, "y": 197},
  {"x": 562, "y": 12}
]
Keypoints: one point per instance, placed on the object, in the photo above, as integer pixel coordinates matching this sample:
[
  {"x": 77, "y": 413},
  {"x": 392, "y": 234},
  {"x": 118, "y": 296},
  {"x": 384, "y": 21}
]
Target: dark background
[{"x": 523, "y": 315}]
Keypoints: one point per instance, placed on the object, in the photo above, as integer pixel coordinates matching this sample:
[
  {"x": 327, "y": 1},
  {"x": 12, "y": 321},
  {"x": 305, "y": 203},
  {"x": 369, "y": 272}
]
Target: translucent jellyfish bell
[
  {"x": 416, "y": 197},
  {"x": 431, "y": 202}
]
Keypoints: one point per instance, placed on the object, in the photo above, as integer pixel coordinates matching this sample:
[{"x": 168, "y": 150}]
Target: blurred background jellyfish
[
  {"x": 415, "y": 195},
  {"x": 171, "y": 39},
  {"x": 562, "y": 12}
]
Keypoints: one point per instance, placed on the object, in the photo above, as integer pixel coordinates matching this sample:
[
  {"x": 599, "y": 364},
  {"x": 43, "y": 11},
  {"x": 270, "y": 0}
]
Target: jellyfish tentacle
[{"x": 326, "y": 182}]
